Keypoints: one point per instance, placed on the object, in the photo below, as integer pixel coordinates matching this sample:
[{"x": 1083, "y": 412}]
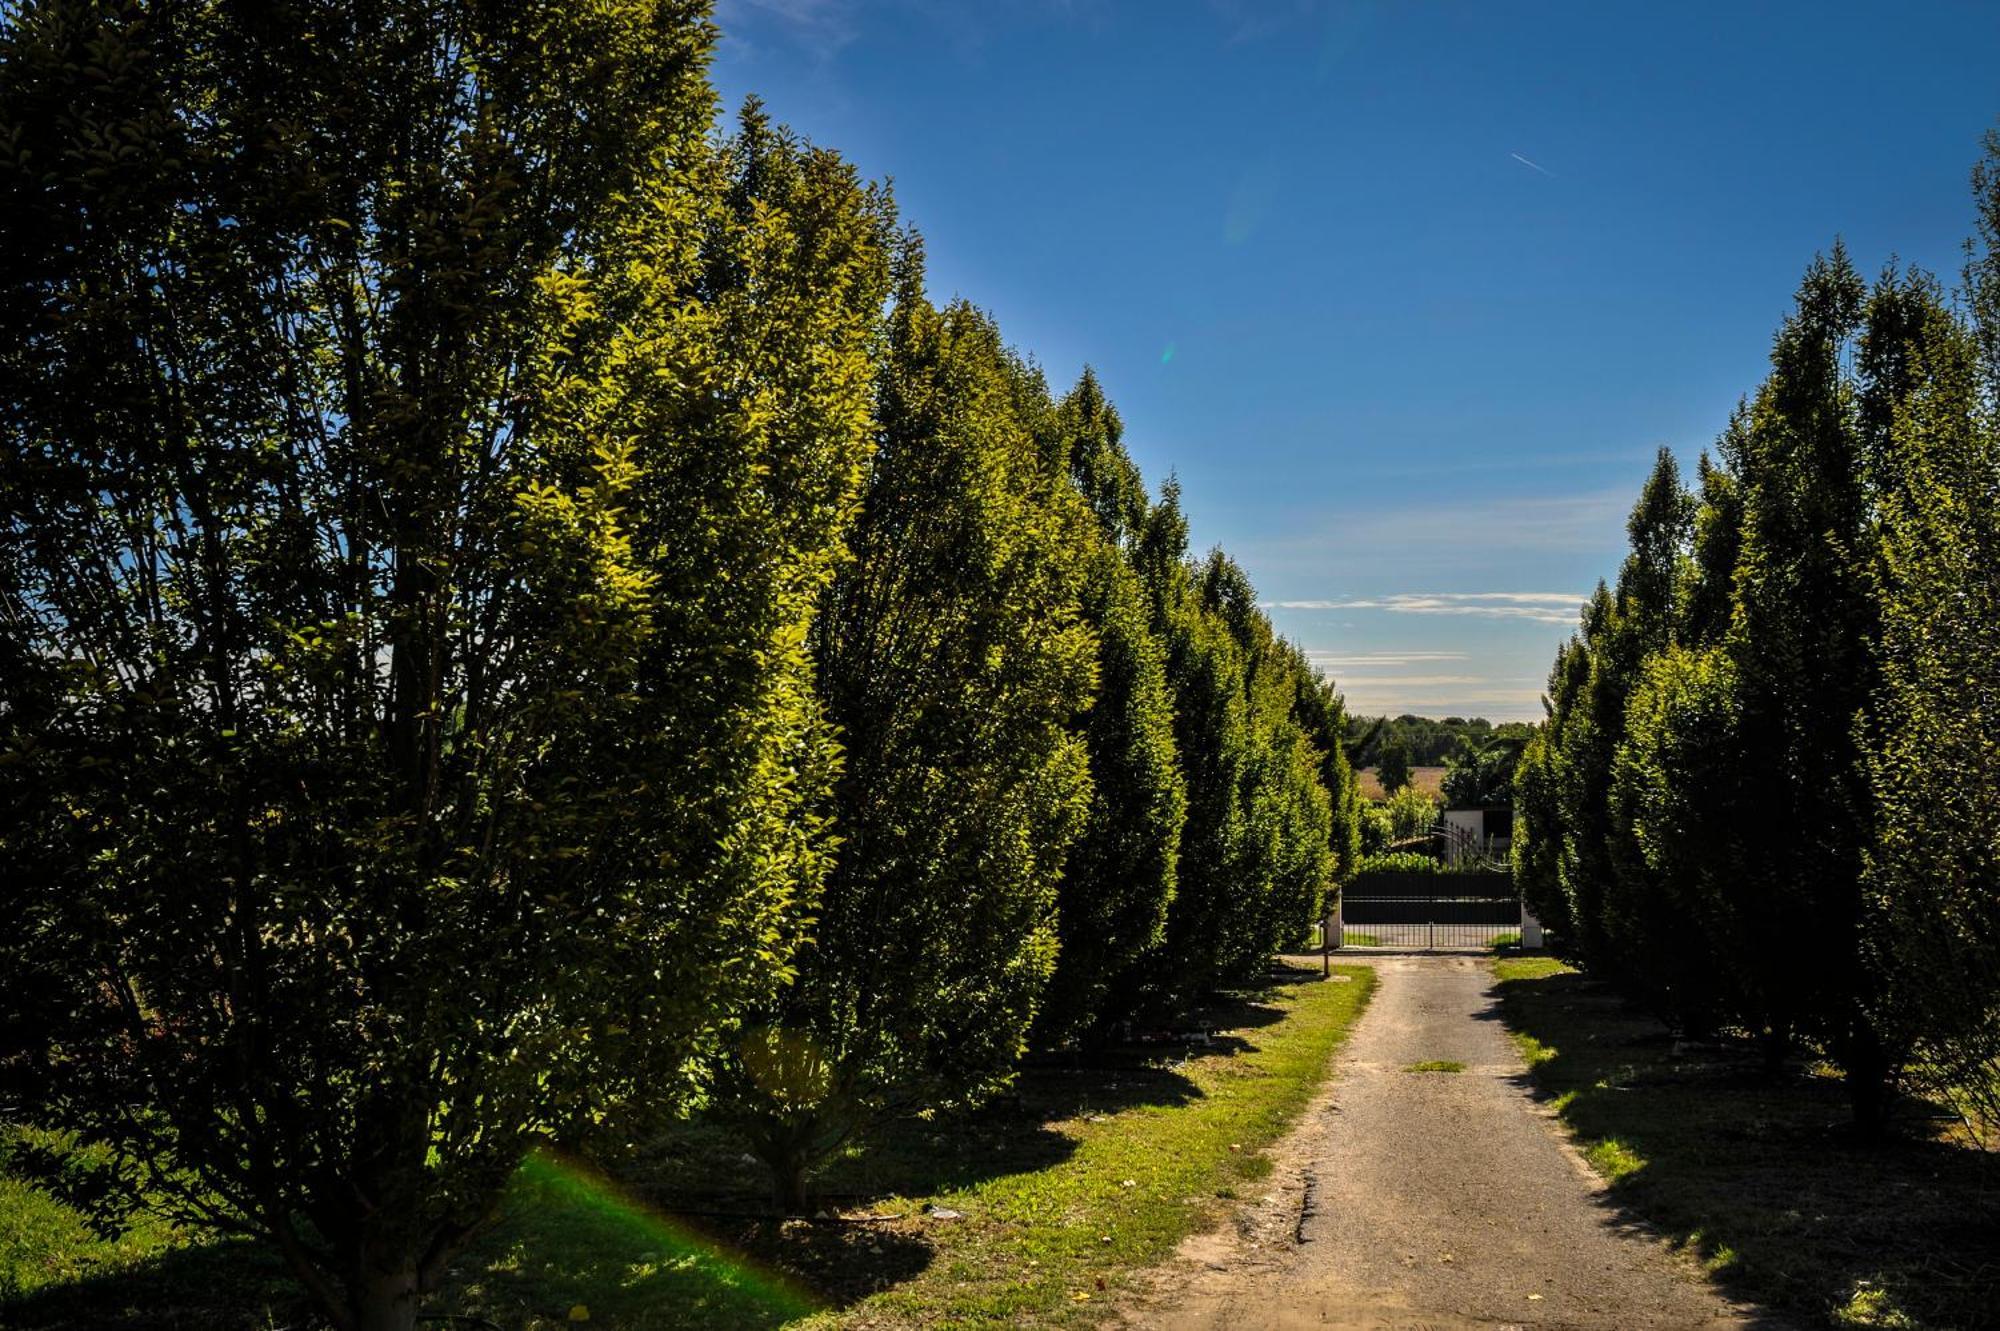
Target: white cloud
[
  {"x": 1405, "y": 681},
  {"x": 1332, "y": 659},
  {"x": 1538, "y": 607},
  {"x": 1496, "y": 700},
  {"x": 1433, "y": 683}
]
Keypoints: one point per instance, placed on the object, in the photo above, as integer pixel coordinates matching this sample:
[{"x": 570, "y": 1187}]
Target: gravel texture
[{"x": 1430, "y": 1199}]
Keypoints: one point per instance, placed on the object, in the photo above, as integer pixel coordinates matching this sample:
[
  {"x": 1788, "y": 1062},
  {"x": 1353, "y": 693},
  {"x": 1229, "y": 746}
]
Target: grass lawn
[
  {"x": 1084, "y": 1174},
  {"x": 1756, "y": 1171},
  {"x": 1356, "y": 938}
]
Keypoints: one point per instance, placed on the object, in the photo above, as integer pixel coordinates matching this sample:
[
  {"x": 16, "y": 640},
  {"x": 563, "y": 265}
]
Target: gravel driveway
[{"x": 1436, "y": 1199}]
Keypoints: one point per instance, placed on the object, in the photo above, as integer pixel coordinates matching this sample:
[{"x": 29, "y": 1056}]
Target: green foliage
[
  {"x": 1482, "y": 774},
  {"x": 1322, "y": 714},
  {"x": 1414, "y": 861},
  {"x": 1765, "y": 789},
  {"x": 1431, "y": 741},
  {"x": 1393, "y": 767},
  {"x": 953, "y": 654},
  {"x": 1538, "y": 838},
  {"x": 1799, "y": 641},
  {"x": 422, "y": 448},
  {"x": 461, "y": 657},
  {"x": 1933, "y": 879},
  {"x": 1112, "y": 904},
  {"x": 1401, "y": 861},
  {"x": 1412, "y": 812},
  {"x": 1258, "y": 846},
  {"x": 1377, "y": 829},
  {"x": 1638, "y": 917},
  {"x": 1409, "y": 813},
  {"x": 1677, "y": 800}
]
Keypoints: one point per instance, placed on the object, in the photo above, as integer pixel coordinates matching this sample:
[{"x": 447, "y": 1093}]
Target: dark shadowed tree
[
  {"x": 1933, "y": 879},
  {"x": 409, "y": 518},
  {"x": 1539, "y": 829},
  {"x": 1392, "y": 770},
  {"x": 1800, "y": 645}
]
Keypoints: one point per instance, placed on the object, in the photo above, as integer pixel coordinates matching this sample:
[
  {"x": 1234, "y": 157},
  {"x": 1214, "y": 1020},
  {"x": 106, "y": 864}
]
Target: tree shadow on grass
[
  {"x": 873, "y": 1238},
  {"x": 220, "y": 1286},
  {"x": 1758, "y": 1173},
  {"x": 573, "y": 1238},
  {"x": 1023, "y": 1131},
  {"x": 669, "y": 1235}
]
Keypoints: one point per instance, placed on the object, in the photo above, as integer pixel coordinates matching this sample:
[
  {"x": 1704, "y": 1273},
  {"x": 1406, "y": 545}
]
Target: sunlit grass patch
[
  {"x": 1872, "y": 1306},
  {"x": 1613, "y": 1159},
  {"x": 1035, "y": 1210},
  {"x": 1436, "y": 1065}
]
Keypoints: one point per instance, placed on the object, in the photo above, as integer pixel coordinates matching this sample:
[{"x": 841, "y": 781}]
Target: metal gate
[{"x": 1428, "y": 911}]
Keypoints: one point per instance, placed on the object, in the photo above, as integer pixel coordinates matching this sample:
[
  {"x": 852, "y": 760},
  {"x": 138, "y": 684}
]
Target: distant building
[{"x": 1486, "y": 832}]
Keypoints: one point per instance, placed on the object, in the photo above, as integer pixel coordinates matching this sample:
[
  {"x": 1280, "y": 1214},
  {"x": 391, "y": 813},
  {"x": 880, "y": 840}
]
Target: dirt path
[{"x": 1436, "y": 1199}]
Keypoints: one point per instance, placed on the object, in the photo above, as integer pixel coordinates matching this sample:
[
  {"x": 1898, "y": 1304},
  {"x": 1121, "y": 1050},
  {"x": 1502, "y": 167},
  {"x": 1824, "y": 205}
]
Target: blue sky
[{"x": 1407, "y": 294}]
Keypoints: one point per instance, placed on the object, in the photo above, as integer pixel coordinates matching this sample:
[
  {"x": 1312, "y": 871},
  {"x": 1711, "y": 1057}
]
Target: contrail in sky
[{"x": 1532, "y": 166}]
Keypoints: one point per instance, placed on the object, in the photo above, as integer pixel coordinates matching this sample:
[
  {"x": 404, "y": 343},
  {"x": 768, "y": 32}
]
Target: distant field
[{"x": 1429, "y": 779}]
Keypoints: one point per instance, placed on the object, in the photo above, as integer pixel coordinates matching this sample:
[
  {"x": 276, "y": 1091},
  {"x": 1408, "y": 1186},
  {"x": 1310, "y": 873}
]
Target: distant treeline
[
  {"x": 520, "y": 616},
  {"x": 1768, "y": 793},
  {"x": 1428, "y": 742}
]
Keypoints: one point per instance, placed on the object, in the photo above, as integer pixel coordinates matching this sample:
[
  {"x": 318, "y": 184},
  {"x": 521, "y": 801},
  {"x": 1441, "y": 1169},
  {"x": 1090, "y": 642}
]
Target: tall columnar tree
[
  {"x": 1257, "y": 847},
  {"x": 1587, "y": 736},
  {"x": 1933, "y": 877},
  {"x": 1707, "y": 602},
  {"x": 1761, "y": 757},
  {"x": 1540, "y": 833},
  {"x": 1208, "y": 678},
  {"x": 1321, "y": 713},
  {"x": 1092, "y": 439},
  {"x": 1640, "y": 911},
  {"x": 1686, "y": 837},
  {"x": 1804, "y": 619},
  {"x": 420, "y": 451},
  {"x": 1287, "y": 861},
  {"x": 1111, "y": 908},
  {"x": 953, "y": 654}
]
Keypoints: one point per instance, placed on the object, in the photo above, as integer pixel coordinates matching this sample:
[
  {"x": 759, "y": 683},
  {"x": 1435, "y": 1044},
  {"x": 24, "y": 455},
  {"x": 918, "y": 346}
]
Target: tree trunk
[
  {"x": 1867, "y": 1068},
  {"x": 1776, "y": 1043},
  {"x": 784, "y": 1150},
  {"x": 788, "y": 1186},
  {"x": 386, "y": 1300}
]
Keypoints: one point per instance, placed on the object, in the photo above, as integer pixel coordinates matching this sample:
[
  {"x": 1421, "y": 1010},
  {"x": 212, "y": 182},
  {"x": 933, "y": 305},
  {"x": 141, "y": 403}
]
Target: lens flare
[{"x": 729, "y": 1279}]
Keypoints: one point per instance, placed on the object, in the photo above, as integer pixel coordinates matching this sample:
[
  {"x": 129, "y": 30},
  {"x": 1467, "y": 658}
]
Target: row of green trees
[
  {"x": 1426, "y": 741},
  {"x": 1767, "y": 792},
  {"x": 518, "y": 614}
]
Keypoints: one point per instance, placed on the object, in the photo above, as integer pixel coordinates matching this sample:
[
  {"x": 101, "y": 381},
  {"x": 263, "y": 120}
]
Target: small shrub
[{"x": 1400, "y": 861}]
